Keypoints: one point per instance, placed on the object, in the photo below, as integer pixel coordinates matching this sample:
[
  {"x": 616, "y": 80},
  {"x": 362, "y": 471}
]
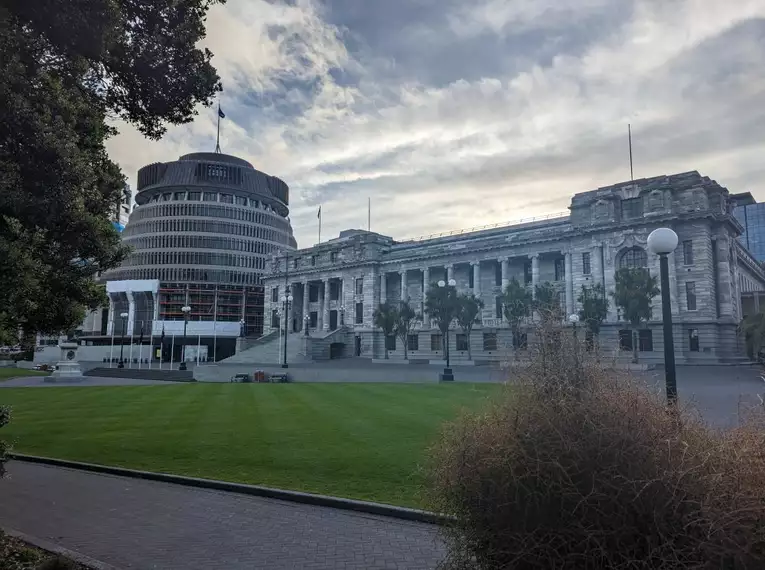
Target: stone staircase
[{"x": 267, "y": 350}]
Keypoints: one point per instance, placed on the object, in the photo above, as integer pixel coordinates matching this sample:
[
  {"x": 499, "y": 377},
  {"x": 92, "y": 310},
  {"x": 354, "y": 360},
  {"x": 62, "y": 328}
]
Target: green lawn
[
  {"x": 364, "y": 441},
  {"x": 6, "y": 373}
]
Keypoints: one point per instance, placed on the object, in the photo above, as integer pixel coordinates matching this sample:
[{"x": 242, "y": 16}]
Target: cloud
[{"x": 450, "y": 114}]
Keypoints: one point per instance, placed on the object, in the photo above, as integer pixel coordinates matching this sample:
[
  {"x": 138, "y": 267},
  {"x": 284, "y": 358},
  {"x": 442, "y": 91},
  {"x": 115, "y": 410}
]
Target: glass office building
[{"x": 751, "y": 215}]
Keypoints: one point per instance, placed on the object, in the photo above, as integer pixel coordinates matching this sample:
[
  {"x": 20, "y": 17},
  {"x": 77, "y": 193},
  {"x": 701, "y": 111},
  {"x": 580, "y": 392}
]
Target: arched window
[{"x": 634, "y": 257}]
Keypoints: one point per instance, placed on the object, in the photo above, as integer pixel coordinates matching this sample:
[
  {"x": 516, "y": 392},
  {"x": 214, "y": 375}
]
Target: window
[
  {"x": 241, "y": 200},
  {"x": 166, "y": 197},
  {"x": 333, "y": 257},
  {"x": 359, "y": 313},
  {"x": 688, "y": 252},
  {"x": 436, "y": 342},
  {"x": 390, "y": 342},
  {"x": 296, "y": 263},
  {"x": 633, "y": 257},
  {"x": 313, "y": 261},
  {"x": 693, "y": 340},
  {"x": 314, "y": 319},
  {"x": 413, "y": 342},
  {"x": 498, "y": 275},
  {"x": 498, "y": 308},
  {"x": 179, "y": 196},
  {"x": 360, "y": 286},
  {"x": 210, "y": 197},
  {"x": 560, "y": 270},
  {"x": 334, "y": 290},
  {"x": 625, "y": 339},
  {"x": 645, "y": 340},
  {"x": 195, "y": 196},
  {"x": 520, "y": 341},
  {"x": 690, "y": 294},
  {"x": 586, "y": 269},
  {"x": 490, "y": 341},
  {"x": 632, "y": 208},
  {"x": 471, "y": 280},
  {"x": 274, "y": 319},
  {"x": 274, "y": 294},
  {"x": 462, "y": 342}
]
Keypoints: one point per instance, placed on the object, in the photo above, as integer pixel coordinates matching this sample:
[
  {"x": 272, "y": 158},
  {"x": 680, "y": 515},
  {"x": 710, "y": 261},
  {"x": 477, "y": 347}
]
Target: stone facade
[{"x": 338, "y": 284}]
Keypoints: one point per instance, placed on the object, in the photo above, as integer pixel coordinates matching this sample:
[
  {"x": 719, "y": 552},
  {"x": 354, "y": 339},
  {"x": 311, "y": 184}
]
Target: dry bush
[{"x": 576, "y": 467}]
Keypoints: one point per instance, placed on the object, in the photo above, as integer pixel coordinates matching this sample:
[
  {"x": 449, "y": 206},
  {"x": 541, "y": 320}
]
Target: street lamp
[
  {"x": 242, "y": 328},
  {"x": 307, "y": 320},
  {"x": 342, "y": 316},
  {"x": 124, "y": 317},
  {"x": 185, "y": 310},
  {"x": 662, "y": 242},
  {"x": 448, "y": 373},
  {"x": 286, "y": 302}
]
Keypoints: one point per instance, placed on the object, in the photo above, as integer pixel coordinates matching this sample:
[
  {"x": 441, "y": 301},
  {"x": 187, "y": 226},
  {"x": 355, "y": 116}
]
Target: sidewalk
[{"x": 132, "y": 523}]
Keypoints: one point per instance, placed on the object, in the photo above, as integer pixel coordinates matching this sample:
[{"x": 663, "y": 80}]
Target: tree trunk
[
  {"x": 406, "y": 347},
  {"x": 634, "y": 347},
  {"x": 470, "y": 352}
]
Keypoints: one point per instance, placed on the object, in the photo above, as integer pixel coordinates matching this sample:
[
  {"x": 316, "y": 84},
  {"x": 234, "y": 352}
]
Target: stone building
[{"x": 337, "y": 285}]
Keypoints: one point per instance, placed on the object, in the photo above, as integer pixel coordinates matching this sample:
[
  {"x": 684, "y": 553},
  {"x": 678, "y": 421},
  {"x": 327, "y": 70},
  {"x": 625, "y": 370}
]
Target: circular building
[{"x": 202, "y": 231}]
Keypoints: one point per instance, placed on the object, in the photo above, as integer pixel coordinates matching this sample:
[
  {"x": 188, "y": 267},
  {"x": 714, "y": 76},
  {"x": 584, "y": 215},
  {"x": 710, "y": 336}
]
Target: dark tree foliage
[{"x": 66, "y": 67}]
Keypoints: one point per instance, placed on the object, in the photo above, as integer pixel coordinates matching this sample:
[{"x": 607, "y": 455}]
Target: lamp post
[
  {"x": 447, "y": 315},
  {"x": 124, "y": 317},
  {"x": 342, "y": 316},
  {"x": 286, "y": 302},
  {"x": 186, "y": 310},
  {"x": 307, "y": 323},
  {"x": 662, "y": 242},
  {"x": 242, "y": 328}
]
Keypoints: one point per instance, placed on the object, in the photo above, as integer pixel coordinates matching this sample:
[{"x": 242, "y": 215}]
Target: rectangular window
[
  {"x": 688, "y": 252},
  {"x": 210, "y": 197},
  {"x": 645, "y": 340},
  {"x": 296, "y": 263},
  {"x": 693, "y": 340},
  {"x": 313, "y": 261},
  {"x": 560, "y": 270},
  {"x": 490, "y": 341},
  {"x": 360, "y": 286},
  {"x": 359, "y": 313},
  {"x": 625, "y": 339},
  {"x": 274, "y": 294},
  {"x": 586, "y": 269},
  {"x": 413, "y": 342},
  {"x": 520, "y": 341},
  {"x": 179, "y": 196},
  {"x": 166, "y": 197},
  {"x": 498, "y": 275},
  {"x": 333, "y": 257},
  {"x": 274, "y": 319},
  {"x": 632, "y": 208},
  {"x": 462, "y": 342},
  {"x": 390, "y": 342},
  {"x": 241, "y": 200},
  {"x": 498, "y": 308},
  {"x": 690, "y": 294},
  {"x": 471, "y": 281},
  {"x": 436, "y": 342},
  {"x": 313, "y": 292},
  {"x": 227, "y": 198},
  {"x": 334, "y": 290},
  {"x": 314, "y": 319}
]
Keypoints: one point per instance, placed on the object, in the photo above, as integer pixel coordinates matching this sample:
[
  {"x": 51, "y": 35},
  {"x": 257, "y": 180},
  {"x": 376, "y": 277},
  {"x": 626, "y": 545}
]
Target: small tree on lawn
[
  {"x": 635, "y": 288},
  {"x": 516, "y": 306},
  {"x": 405, "y": 317},
  {"x": 468, "y": 314},
  {"x": 547, "y": 303},
  {"x": 753, "y": 330},
  {"x": 386, "y": 318},
  {"x": 5, "y": 417},
  {"x": 442, "y": 305},
  {"x": 594, "y": 309}
]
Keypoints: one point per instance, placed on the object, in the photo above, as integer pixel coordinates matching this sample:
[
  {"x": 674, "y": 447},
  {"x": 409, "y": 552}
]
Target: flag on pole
[
  {"x": 319, "y": 214},
  {"x": 221, "y": 114}
]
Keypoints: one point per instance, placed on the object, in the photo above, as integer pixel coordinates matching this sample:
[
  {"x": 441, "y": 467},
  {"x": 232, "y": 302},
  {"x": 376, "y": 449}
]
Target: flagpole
[
  {"x": 319, "y": 224},
  {"x": 172, "y": 350},
  {"x": 215, "y": 323},
  {"x": 130, "y": 353},
  {"x": 111, "y": 350},
  {"x": 369, "y": 214},
  {"x": 151, "y": 344},
  {"x": 199, "y": 346},
  {"x": 140, "y": 347},
  {"x": 217, "y": 141},
  {"x": 629, "y": 135}
]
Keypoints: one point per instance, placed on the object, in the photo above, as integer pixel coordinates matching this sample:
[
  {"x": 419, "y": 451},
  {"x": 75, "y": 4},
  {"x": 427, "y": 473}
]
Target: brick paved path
[{"x": 132, "y": 523}]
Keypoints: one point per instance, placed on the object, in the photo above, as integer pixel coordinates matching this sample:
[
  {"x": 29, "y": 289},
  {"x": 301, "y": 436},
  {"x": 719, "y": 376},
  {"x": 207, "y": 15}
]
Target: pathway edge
[
  {"x": 367, "y": 507},
  {"x": 53, "y": 548}
]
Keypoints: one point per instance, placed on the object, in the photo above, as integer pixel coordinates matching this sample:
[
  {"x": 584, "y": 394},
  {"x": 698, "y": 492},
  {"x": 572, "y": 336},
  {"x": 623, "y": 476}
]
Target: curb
[
  {"x": 58, "y": 550},
  {"x": 403, "y": 513}
]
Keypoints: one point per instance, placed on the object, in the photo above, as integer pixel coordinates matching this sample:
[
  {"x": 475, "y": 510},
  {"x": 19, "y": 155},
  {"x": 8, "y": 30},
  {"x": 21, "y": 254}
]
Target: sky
[{"x": 451, "y": 114}]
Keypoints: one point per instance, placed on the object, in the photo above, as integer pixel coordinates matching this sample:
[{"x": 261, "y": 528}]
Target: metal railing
[{"x": 554, "y": 216}]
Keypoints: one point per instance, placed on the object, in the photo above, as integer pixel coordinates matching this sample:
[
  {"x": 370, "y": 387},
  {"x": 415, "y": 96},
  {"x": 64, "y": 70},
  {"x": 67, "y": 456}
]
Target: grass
[
  {"x": 6, "y": 373},
  {"x": 363, "y": 441}
]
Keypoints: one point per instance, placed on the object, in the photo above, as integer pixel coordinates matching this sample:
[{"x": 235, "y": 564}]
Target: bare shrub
[{"x": 577, "y": 467}]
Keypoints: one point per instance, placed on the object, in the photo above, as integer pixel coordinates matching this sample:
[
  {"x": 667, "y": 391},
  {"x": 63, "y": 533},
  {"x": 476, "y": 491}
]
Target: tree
[
  {"x": 468, "y": 314},
  {"x": 594, "y": 309},
  {"x": 66, "y": 68},
  {"x": 517, "y": 304},
  {"x": 442, "y": 305},
  {"x": 405, "y": 317},
  {"x": 753, "y": 330},
  {"x": 547, "y": 302},
  {"x": 386, "y": 318},
  {"x": 635, "y": 288},
  {"x": 5, "y": 417}
]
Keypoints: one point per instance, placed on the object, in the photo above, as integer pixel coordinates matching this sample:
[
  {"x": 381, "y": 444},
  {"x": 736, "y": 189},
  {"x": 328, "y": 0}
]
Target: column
[
  {"x": 534, "y": 274},
  {"x": 449, "y": 273},
  {"x": 425, "y": 288},
  {"x": 404, "y": 295},
  {"x": 110, "y": 318},
  {"x": 383, "y": 288},
  {"x": 131, "y": 313},
  {"x": 505, "y": 272},
  {"x": 325, "y": 319},
  {"x": 306, "y": 287},
  {"x": 570, "y": 309},
  {"x": 476, "y": 265}
]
